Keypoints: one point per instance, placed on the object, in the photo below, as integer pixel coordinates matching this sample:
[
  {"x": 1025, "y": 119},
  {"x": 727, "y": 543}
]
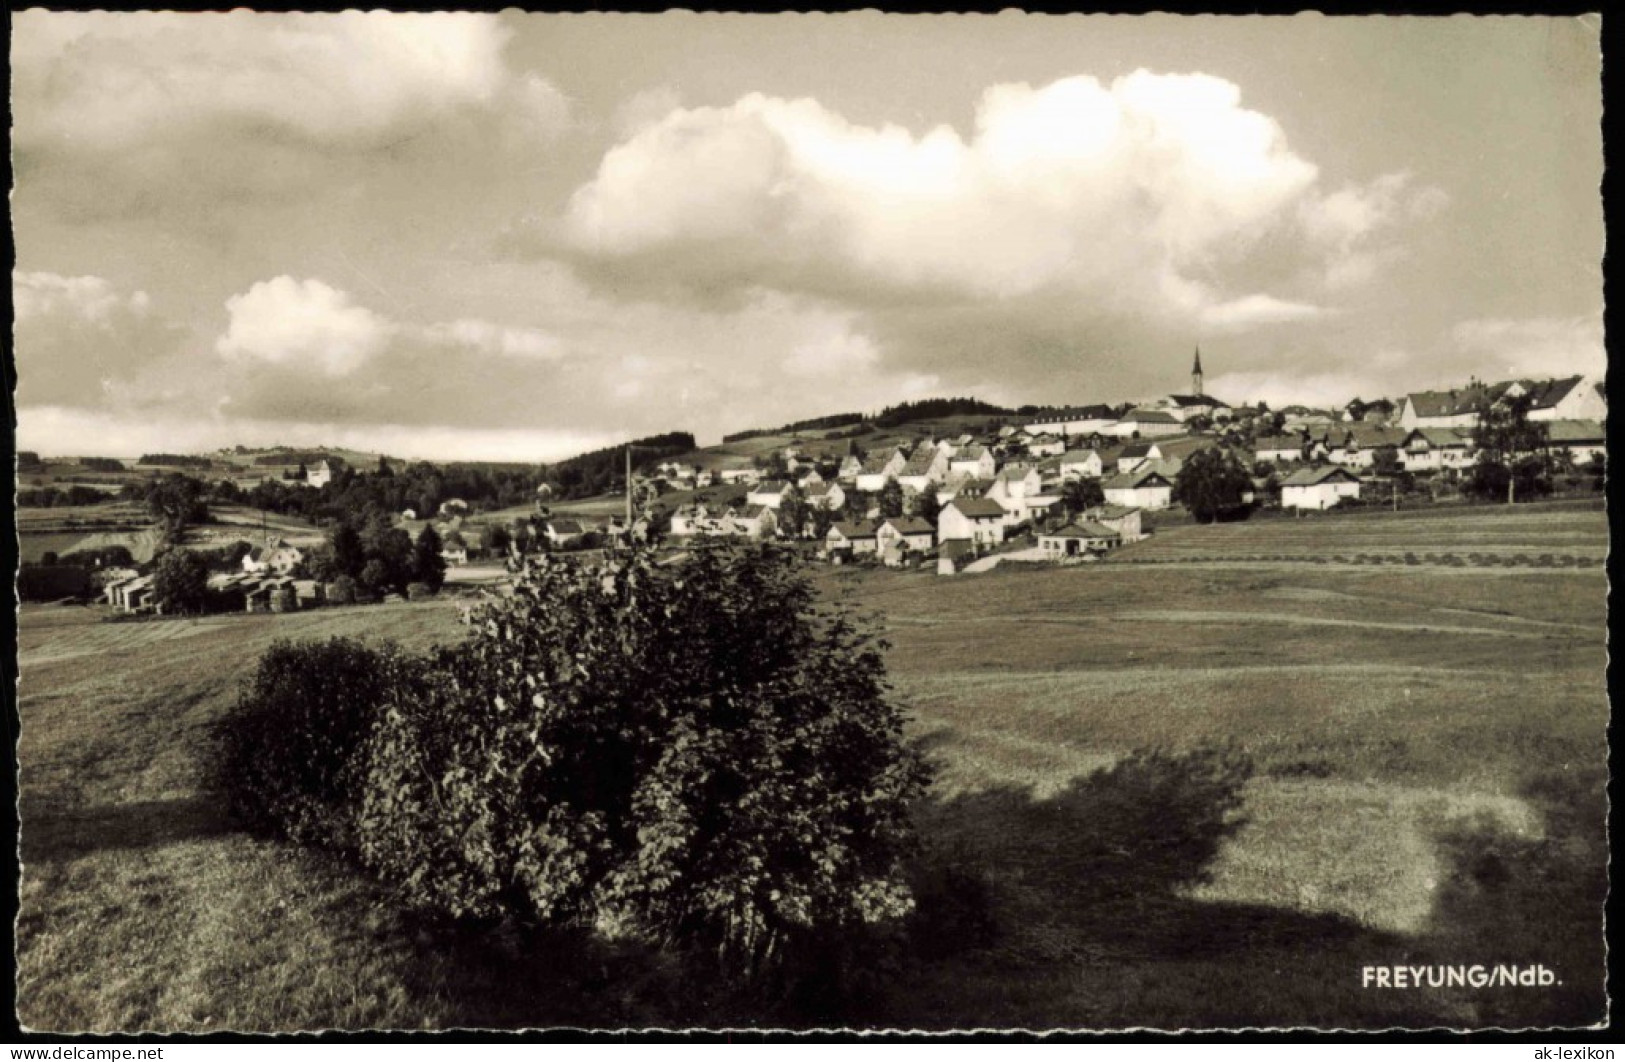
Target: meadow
[{"x": 1429, "y": 752}]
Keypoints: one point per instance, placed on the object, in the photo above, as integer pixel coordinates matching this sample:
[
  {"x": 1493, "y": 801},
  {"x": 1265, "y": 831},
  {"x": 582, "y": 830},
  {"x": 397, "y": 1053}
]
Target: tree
[
  {"x": 180, "y": 581},
  {"x": 702, "y": 755},
  {"x": 793, "y": 513},
  {"x": 1080, "y": 495},
  {"x": 383, "y": 467},
  {"x": 349, "y": 555},
  {"x": 428, "y": 566},
  {"x": 1511, "y": 459},
  {"x": 1211, "y": 484},
  {"x": 926, "y": 506},
  {"x": 891, "y": 499},
  {"x": 176, "y": 501},
  {"x": 495, "y": 539},
  {"x": 375, "y": 576}
]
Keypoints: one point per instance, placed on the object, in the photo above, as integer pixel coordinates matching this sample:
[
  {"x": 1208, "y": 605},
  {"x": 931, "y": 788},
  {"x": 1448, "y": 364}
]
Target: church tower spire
[{"x": 1196, "y": 374}]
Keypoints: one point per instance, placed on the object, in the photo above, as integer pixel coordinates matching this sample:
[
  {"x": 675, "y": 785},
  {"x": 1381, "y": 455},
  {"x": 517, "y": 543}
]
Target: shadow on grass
[{"x": 51, "y": 834}]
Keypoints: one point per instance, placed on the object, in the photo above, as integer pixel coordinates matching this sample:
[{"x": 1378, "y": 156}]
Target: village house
[
  {"x": 1134, "y": 455},
  {"x": 565, "y": 530},
  {"x": 1123, "y": 519},
  {"x": 926, "y": 467},
  {"x": 974, "y": 461},
  {"x": 320, "y": 475},
  {"x": 907, "y": 532},
  {"x": 851, "y": 465},
  {"x": 980, "y": 521},
  {"x": 1279, "y": 449},
  {"x": 960, "y": 485},
  {"x": 1012, "y": 488},
  {"x": 1357, "y": 445},
  {"x": 1318, "y": 488},
  {"x": 851, "y": 539},
  {"x": 756, "y": 521},
  {"x": 1582, "y": 440},
  {"x": 879, "y": 469},
  {"x": 809, "y": 477},
  {"x": 747, "y": 476},
  {"x": 1303, "y": 417},
  {"x": 1046, "y": 445},
  {"x": 1147, "y": 490},
  {"x": 826, "y": 496},
  {"x": 1435, "y": 449},
  {"x": 771, "y": 495},
  {"x": 454, "y": 553},
  {"x": 275, "y": 556},
  {"x": 1568, "y": 398},
  {"x": 1183, "y": 407},
  {"x": 1078, "y": 539},
  {"x": 1081, "y": 464}
]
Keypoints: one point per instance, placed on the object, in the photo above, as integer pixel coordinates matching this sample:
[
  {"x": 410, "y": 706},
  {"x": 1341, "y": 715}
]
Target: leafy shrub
[
  {"x": 696, "y": 755},
  {"x": 419, "y": 591},
  {"x": 341, "y": 591},
  {"x": 291, "y": 754}
]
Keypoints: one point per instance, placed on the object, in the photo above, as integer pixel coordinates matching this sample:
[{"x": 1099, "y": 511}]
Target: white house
[
  {"x": 826, "y": 496},
  {"x": 854, "y": 538},
  {"x": 1318, "y": 488},
  {"x": 1081, "y": 464},
  {"x": 1014, "y": 489},
  {"x": 880, "y": 468},
  {"x": 1567, "y": 398},
  {"x": 1134, "y": 455},
  {"x": 319, "y": 476},
  {"x": 771, "y": 495},
  {"x": 975, "y": 461},
  {"x": 925, "y": 467},
  {"x": 1279, "y": 449},
  {"x": 1432, "y": 449},
  {"x": 747, "y": 476},
  {"x": 1357, "y": 445},
  {"x": 1571, "y": 398},
  {"x": 1582, "y": 439},
  {"x": 960, "y": 485},
  {"x": 851, "y": 465},
  {"x": 1184, "y": 407},
  {"x": 454, "y": 554},
  {"x": 757, "y": 521},
  {"x": 565, "y": 530},
  {"x": 976, "y": 520},
  {"x": 907, "y": 532},
  {"x": 275, "y": 556},
  {"x": 1147, "y": 490},
  {"x": 1046, "y": 445}
]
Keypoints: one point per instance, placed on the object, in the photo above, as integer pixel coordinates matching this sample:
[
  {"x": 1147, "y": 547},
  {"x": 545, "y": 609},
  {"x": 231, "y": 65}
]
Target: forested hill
[{"x": 602, "y": 470}]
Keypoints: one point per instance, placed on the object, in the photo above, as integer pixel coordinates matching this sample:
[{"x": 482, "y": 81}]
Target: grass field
[{"x": 1429, "y": 749}]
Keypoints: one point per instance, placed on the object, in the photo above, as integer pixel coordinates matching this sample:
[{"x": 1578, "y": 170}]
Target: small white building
[
  {"x": 980, "y": 521},
  {"x": 854, "y": 538},
  {"x": 1149, "y": 490},
  {"x": 1123, "y": 519},
  {"x": 1434, "y": 449},
  {"x": 275, "y": 556},
  {"x": 1081, "y": 464},
  {"x": 1582, "y": 440},
  {"x": 1077, "y": 540},
  {"x": 829, "y": 496},
  {"x": 1279, "y": 449},
  {"x": 1318, "y": 488},
  {"x": 771, "y": 495},
  {"x": 907, "y": 532},
  {"x": 975, "y": 461}
]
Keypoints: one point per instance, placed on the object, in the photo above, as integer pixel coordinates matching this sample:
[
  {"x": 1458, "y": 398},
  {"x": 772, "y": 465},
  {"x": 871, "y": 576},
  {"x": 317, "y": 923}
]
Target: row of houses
[
  {"x": 1423, "y": 449},
  {"x": 224, "y": 592}
]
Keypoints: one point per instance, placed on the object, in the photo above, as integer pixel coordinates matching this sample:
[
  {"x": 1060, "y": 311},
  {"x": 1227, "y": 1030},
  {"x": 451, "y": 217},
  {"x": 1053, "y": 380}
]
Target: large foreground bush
[
  {"x": 698, "y": 756},
  {"x": 292, "y": 753}
]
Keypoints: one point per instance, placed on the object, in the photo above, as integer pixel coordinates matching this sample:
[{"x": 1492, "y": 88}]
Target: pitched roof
[
  {"x": 1131, "y": 480},
  {"x": 1149, "y": 416},
  {"x": 1280, "y": 442},
  {"x": 1013, "y": 473},
  {"x": 1189, "y": 401},
  {"x": 1575, "y": 431},
  {"x": 1135, "y": 450},
  {"x": 1082, "y": 529},
  {"x": 1452, "y": 403},
  {"x": 1111, "y": 512},
  {"x": 910, "y": 525},
  {"x": 772, "y": 488},
  {"x": 969, "y": 453},
  {"x": 1095, "y": 412},
  {"x": 858, "y": 529},
  {"x": 1078, "y": 457},
  {"x": 1309, "y": 477},
  {"x": 1442, "y": 437},
  {"x": 976, "y": 507}
]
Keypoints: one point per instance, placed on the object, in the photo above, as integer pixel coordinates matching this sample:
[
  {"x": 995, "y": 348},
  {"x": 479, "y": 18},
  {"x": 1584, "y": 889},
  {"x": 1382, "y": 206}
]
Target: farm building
[
  {"x": 1046, "y": 445},
  {"x": 454, "y": 554},
  {"x": 1013, "y": 487},
  {"x": 747, "y": 476},
  {"x": 1148, "y": 423},
  {"x": 1148, "y": 490},
  {"x": 1318, "y": 488},
  {"x": 977, "y": 520},
  {"x": 1086, "y": 420},
  {"x": 1078, "y": 539}
]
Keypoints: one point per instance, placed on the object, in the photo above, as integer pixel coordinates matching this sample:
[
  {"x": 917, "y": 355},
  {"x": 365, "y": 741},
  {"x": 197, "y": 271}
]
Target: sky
[{"x": 517, "y": 237}]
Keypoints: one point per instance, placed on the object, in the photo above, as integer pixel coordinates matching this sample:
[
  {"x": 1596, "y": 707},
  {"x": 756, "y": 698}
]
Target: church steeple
[{"x": 1196, "y": 374}]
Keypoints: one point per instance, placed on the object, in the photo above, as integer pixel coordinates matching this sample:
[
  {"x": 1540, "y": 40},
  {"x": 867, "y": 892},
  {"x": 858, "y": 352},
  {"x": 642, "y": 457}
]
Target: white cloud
[
  {"x": 89, "y": 298},
  {"x": 1253, "y": 310},
  {"x": 113, "y": 80},
  {"x": 489, "y": 338},
  {"x": 284, "y": 320},
  {"x": 1137, "y": 194}
]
